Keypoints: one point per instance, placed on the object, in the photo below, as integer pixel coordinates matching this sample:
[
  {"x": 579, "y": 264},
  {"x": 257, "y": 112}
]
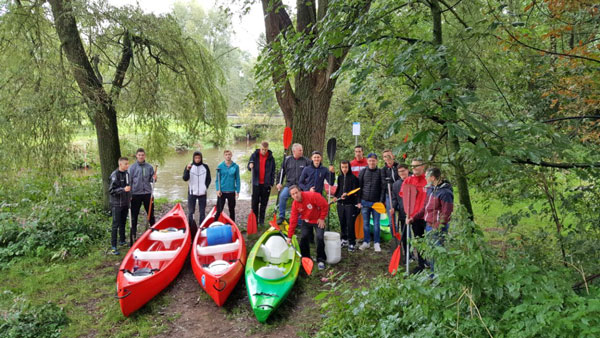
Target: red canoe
[
  {"x": 153, "y": 261},
  {"x": 218, "y": 267}
]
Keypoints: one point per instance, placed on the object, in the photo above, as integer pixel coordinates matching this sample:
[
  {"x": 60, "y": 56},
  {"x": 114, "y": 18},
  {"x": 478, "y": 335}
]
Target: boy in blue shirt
[{"x": 228, "y": 185}]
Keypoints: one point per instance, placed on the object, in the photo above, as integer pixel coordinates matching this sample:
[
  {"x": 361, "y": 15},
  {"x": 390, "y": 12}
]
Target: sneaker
[
  {"x": 377, "y": 247},
  {"x": 351, "y": 248},
  {"x": 344, "y": 243},
  {"x": 321, "y": 266},
  {"x": 364, "y": 246},
  {"x": 122, "y": 243},
  {"x": 114, "y": 251}
]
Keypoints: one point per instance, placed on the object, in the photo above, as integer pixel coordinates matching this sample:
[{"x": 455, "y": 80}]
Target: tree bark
[
  {"x": 101, "y": 110},
  {"x": 306, "y": 106},
  {"x": 459, "y": 169}
]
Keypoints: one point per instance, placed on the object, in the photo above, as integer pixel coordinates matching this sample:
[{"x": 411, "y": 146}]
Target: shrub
[
  {"x": 24, "y": 320},
  {"x": 475, "y": 293}
]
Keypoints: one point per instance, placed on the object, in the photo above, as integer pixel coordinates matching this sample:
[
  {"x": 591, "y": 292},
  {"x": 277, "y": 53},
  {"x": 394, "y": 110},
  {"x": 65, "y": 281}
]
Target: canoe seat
[
  {"x": 275, "y": 250},
  {"x": 167, "y": 236},
  {"x": 218, "y": 267},
  {"x": 270, "y": 272},
  {"x": 155, "y": 257},
  {"x": 139, "y": 274},
  {"x": 218, "y": 250}
]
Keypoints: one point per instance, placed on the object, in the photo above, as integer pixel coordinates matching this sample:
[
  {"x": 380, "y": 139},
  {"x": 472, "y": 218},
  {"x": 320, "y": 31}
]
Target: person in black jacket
[
  {"x": 262, "y": 167},
  {"x": 346, "y": 207},
  {"x": 120, "y": 197},
  {"x": 197, "y": 174},
  {"x": 372, "y": 190},
  {"x": 398, "y": 204},
  {"x": 390, "y": 172}
]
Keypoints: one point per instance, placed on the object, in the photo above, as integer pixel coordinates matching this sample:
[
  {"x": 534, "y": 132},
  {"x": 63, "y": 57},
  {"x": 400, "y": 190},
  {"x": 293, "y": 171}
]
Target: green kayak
[
  {"x": 384, "y": 226},
  {"x": 271, "y": 271}
]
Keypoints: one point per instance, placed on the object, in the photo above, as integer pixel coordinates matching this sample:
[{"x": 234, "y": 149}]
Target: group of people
[{"x": 303, "y": 180}]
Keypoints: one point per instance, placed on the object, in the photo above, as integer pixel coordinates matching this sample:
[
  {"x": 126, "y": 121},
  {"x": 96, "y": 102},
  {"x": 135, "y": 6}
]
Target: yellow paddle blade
[
  {"x": 352, "y": 191},
  {"x": 379, "y": 207},
  {"x": 358, "y": 227}
]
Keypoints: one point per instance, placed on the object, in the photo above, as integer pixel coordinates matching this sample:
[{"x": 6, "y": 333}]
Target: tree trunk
[
  {"x": 459, "y": 169},
  {"x": 101, "y": 110}
]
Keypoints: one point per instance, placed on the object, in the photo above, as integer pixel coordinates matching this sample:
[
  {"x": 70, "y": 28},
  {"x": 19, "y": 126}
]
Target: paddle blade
[
  {"x": 251, "y": 225},
  {"x": 351, "y": 192},
  {"x": 274, "y": 224},
  {"x": 331, "y": 149},
  {"x": 307, "y": 264},
  {"x": 287, "y": 137},
  {"x": 358, "y": 227},
  {"x": 379, "y": 207},
  {"x": 395, "y": 261}
]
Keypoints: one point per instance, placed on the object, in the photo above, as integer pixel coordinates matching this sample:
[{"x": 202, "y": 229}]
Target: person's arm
[
  {"x": 361, "y": 181},
  {"x": 271, "y": 168},
  {"x": 208, "y": 178},
  {"x": 303, "y": 176},
  {"x": 421, "y": 213},
  {"x": 114, "y": 188},
  {"x": 338, "y": 191},
  {"x": 322, "y": 206},
  {"x": 186, "y": 174},
  {"x": 252, "y": 160},
  {"x": 447, "y": 201},
  {"x": 384, "y": 186},
  {"x": 293, "y": 220},
  {"x": 218, "y": 179},
  {"x": 237, "y": 180}
]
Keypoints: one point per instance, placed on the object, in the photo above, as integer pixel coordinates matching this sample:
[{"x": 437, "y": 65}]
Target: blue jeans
[
  {"x": 437, "y": 238},
  {"x": 283, "y": 197},
  {"x": 366, "y": 212}
]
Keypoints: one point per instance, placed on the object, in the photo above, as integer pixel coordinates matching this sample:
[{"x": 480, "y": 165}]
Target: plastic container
[
  {"x": 219, "y": 235},
  {"x": 333, "y": 247}
]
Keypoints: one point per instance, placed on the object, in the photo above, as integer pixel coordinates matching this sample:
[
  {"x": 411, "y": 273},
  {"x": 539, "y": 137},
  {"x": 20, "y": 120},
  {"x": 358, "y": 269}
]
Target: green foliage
[
  {"x": 475, "y": 293},
  {"x": 50, "y": 219},
  {"x": 25, "y": 320}
]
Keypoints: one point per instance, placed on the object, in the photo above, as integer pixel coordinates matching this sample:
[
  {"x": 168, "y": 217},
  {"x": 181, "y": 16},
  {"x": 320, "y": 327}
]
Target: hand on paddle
[
  {"x": 279, "y": 186},
  {"x": 189, "y": 166},
  {"x": 409, "y": 220},
  {"x": 331, "y": 169},
  {"x": 251, "y": 165},
  {"x": 127, "y": 188}
]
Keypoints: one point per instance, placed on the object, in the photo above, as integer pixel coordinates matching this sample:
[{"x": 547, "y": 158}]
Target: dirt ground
[{"x": 196, "y": 315}]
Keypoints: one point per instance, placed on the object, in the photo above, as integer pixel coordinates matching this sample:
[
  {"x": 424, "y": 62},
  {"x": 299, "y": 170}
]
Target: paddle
[
  {"x": 151, "y": 196},
  {"x": 287, "y": 141},
  {"x": 409, "y": 199},
  {"x": 331, "y": 148},
  {"x": 307, "y": 263},
  {"x": 351, "y": 192},
  {"x": 395, "y": 261},
  {"x": 358, "y": 226},
  {"x": 379, "y": 207},
  {"x": 251, "y": 224}
]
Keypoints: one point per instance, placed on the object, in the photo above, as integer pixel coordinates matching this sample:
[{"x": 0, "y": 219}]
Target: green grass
[{"x": 86, "y": 288}]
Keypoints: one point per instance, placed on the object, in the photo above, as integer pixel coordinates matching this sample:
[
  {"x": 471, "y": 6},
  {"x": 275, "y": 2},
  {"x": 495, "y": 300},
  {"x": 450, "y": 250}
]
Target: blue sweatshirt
[
  {"x": 315, "y": 177},
  {"x": 228, "y": 178}
]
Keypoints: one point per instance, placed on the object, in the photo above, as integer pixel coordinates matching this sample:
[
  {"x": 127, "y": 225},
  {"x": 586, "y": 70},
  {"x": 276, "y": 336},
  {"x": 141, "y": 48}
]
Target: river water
[{"x": 169, "y": 181}]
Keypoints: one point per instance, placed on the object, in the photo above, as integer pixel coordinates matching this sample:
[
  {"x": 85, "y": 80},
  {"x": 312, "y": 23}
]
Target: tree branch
[
  {"x": 593, "y": 117},
  {"x": 126, "y": 55},
  {"x": 557, "y": 165}
]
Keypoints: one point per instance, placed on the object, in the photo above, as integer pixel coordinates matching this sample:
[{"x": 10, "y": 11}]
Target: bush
[
  {"x": 50, "y": 220},
  {"x": 24, "y": 320},
  {"x": 475, "y": 293}
]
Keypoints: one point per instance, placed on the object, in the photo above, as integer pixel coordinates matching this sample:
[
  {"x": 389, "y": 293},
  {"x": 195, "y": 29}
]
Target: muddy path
[{"x": 196, "y": 315}]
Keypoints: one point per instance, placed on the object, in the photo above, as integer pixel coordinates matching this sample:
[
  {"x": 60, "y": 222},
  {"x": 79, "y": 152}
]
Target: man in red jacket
[
  {"x": 417, "y": 179},
  {"x": 311, "y": 208},
  {"x": 359, "y": 162}
]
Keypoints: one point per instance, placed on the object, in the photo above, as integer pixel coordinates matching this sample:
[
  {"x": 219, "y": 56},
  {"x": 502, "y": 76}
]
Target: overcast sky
[{"x": 246, "y": 30}]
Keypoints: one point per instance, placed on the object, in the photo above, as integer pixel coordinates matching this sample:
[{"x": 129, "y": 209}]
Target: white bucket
[{"x": 333, "y": 247}]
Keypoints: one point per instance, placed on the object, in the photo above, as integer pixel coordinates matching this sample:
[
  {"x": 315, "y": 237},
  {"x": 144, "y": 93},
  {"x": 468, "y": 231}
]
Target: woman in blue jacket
[{"x": 228, "y": 185}]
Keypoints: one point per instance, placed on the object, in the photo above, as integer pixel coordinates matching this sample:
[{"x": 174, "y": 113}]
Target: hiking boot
[
  {"x": 321, "y": 266},
  {"x": 377, "y": 247},
  {"x": 364, "y": 246},
  {"x": 344, "y": 243},
  {"x": 351, "y": 248},
  {"x": 114, "y": 251}
]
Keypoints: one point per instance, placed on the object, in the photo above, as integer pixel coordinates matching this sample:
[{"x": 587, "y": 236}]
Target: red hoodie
[
  {"x": 356, "y": 166},
  {"x": 420, "y": 182},
  {"x": 312, "y": 208}
]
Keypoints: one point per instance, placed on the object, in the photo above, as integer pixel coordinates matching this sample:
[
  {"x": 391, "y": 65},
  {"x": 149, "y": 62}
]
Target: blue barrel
[{"x": 219, "y": 235}]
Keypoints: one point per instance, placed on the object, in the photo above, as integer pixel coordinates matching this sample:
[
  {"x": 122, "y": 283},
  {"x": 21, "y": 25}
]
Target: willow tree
[
  {"x": 304, "y": 78},
  {"x": 156, "y": 74}
]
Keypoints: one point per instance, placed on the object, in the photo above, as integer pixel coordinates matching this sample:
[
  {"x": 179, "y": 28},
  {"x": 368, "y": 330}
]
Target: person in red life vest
[
  {"x": 263, "y": 178},
  {"x": 437, "y": 209},
  {"x": 311, "y": 208},
  {"x": 417, "y": 179},
  {"x": 359, "y": 162}
]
